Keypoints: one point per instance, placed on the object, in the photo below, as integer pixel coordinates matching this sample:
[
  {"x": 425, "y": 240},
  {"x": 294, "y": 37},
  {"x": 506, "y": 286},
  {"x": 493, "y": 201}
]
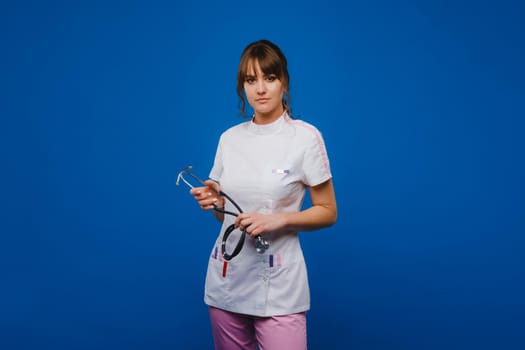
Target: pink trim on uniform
[
  {"x": 232, "y": 331},
  {"x": 318, "y": 139}
]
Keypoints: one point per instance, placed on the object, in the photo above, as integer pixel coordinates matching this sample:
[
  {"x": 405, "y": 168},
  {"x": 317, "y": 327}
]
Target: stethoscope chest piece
[{"x": 261, "y": 245}]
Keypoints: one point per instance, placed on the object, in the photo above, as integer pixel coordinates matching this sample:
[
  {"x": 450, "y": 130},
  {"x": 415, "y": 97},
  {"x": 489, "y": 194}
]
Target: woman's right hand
[{"x": 207, "y": 196}]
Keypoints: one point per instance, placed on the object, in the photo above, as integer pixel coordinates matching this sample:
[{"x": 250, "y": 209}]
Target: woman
[{"x": 265, "y": 164}]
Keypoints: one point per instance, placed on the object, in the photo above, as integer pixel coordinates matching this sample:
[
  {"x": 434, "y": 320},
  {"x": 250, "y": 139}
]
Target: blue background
[{"x": 421, "y": 104}]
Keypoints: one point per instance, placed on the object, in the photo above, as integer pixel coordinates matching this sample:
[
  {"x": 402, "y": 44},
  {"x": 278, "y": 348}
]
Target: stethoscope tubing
[{"x": 261, "y": 244}]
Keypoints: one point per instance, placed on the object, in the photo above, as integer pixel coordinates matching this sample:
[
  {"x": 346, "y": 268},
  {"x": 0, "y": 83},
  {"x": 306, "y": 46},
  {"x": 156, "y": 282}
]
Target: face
[{"x": 264, "y": 94}]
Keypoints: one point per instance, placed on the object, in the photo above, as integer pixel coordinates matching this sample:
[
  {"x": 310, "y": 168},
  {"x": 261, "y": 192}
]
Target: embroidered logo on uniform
[
  {"x": 274, "y": 260},
  {"x": 280, "y": 171}
]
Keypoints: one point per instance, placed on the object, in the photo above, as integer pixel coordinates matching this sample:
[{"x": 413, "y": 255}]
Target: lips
[{"x": 262, "y": 100}]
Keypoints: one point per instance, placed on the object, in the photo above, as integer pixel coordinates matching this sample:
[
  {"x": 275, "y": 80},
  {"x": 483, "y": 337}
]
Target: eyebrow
[{"x": 264, "y": 75}]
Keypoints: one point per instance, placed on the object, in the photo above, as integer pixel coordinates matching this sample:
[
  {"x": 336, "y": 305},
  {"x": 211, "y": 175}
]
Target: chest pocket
[{"x": 282, "y": 183}]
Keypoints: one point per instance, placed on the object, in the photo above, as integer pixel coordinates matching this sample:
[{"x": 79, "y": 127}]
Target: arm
[{"x": 322, "y": 213}]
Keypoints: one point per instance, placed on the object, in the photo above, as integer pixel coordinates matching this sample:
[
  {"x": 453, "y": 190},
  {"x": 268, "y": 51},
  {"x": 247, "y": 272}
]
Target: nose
[{"x": 261, "y": 87}]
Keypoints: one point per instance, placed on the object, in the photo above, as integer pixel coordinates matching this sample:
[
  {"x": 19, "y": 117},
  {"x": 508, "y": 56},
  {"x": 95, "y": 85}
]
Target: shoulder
[
  {"x": 303, "y": 129},
  {"x": 235, "y": 131}
]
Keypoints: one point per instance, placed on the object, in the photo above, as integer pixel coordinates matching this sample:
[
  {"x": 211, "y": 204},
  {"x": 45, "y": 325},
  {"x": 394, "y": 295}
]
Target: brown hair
[{"x": 272, "y": 61}]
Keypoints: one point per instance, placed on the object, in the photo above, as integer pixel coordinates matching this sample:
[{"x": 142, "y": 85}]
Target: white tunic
[{"x": 265, "y": 169}]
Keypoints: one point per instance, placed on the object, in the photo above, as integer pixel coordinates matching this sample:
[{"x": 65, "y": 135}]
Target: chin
[
  {"x": 263, "y": 111},
  {"x": 266, "y": 110}
]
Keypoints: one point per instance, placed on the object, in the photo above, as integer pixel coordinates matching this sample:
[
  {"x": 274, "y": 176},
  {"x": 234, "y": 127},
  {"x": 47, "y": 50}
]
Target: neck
[{"x": 267, "y": 118}]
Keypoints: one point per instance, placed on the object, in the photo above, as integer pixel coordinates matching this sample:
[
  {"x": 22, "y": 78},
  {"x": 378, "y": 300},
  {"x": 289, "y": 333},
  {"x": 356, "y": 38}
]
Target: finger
[
  {"x": 195, "y": 191},
  {"x": 250, "y": 230},
  {"x": 206, "y": 207},
  {"x": 238, "y": 220},
  {"x": 254, "y": 231},
  {"x": 207, "y": 202},
  {"x": 240, "y": 223},
  {"x": 202, "y": 194},
  {"x": 245, "y": 222}
]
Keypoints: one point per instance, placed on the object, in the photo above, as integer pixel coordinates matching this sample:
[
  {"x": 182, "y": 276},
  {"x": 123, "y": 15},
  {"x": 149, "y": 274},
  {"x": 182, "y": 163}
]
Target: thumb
[{"x": 213, "y": 185}]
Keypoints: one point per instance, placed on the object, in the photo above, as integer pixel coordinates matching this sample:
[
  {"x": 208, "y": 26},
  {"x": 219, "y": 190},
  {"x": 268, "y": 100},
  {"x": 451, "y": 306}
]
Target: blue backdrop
[{"x": 421, "y": 104}]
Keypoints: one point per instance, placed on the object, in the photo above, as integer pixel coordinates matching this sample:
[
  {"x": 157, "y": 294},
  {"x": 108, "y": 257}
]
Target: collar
[{"x": 268, "y": 129}]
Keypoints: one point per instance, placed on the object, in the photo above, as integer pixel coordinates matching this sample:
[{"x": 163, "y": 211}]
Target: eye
[
  {"x": 249, "y": 80},
  {"x": 271, "y": 77}
]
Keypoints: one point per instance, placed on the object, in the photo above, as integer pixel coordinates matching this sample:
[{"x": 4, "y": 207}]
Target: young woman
[{"x": 266, "y": 165}]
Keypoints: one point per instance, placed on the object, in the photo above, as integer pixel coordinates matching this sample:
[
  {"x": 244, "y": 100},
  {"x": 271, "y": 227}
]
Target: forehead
[{"x": 253, "y": 68}]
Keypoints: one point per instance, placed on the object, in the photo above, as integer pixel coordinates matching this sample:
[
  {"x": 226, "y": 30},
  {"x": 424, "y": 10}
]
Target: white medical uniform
[{"x": 265, "y": 169}]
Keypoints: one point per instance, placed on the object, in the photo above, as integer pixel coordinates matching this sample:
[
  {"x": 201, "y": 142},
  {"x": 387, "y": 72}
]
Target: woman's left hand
[{"x": 257, "y": 224}]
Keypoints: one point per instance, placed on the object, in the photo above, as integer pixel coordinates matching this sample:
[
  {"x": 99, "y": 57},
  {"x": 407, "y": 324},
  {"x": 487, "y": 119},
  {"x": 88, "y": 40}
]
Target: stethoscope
[{"x": 261, "y": 245}]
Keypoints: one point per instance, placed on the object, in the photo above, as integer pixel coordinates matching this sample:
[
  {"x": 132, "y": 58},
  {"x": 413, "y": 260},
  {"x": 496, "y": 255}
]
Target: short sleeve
[
  {"x": 216, "y": 170},
  {"x": 316, "y": 166}
]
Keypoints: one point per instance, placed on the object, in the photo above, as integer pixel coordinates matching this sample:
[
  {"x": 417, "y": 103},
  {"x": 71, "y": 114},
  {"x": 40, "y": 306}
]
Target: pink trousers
[{"x": 232, "y": 331}]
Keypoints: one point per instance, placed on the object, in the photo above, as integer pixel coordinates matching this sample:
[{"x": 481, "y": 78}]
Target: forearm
[
  {"x": 313, "y": 218},
  {"x": 218, "y": 215},
  {"x": 322, "y": 213}
]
